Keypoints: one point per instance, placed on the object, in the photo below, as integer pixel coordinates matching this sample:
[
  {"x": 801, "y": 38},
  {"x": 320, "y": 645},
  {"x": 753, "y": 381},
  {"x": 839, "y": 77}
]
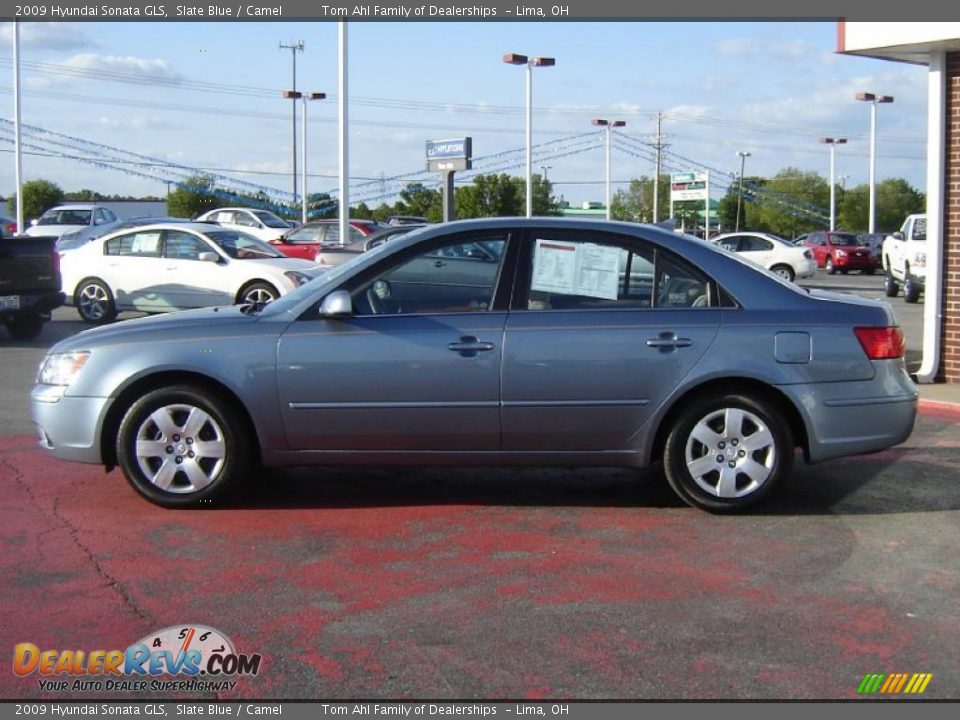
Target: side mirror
[
  {"x": 208, "y": 257},
  {"x": 34, "y": 221},
  {"x": 898, "y": 235},
  {"x": 337, "y": 304}
]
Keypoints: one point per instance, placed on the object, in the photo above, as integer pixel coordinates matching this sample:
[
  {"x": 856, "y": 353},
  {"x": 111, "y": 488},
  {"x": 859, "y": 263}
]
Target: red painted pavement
[{"x": 500, "y": 584}]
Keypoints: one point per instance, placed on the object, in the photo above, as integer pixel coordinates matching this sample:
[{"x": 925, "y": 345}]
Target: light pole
[
  {"x": 545, "y": 168},
  {"x": 874, "y": 100},
  {"x": 293, "y": 95},
  {"x": 606, "y": 125},
  {"x": 294, "y": 48},
  {"x": 743, "y": 161},
  {"x": 833, "y": 142},
  {"x": 531, "y": 63}
]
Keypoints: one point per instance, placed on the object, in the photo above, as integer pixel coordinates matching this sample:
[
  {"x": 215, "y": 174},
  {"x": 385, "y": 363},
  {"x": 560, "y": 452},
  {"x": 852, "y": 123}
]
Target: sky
[{"x": 208, "y": 96}]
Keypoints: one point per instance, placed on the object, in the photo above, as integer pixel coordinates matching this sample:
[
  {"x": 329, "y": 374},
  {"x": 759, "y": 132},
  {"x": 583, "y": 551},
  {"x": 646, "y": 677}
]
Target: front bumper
[{"x": 69, "y": 427}]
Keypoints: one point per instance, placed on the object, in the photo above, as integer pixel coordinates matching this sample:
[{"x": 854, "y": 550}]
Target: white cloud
[
  {"x": 127, "y": 68},
  {"x": 753, "y": 48}
]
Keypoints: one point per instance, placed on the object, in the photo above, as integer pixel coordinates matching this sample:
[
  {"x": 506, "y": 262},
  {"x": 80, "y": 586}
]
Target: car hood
[
  {"x": 286, "y": 263},
  {"x": 52, "y": 230},
  {"x": 205, "y": 322}
]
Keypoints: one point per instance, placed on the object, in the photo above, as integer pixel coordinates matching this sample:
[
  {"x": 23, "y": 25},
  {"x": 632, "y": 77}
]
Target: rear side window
[
  {"x": 567, "y": 273},
  {"x": 139, "y": 244}
]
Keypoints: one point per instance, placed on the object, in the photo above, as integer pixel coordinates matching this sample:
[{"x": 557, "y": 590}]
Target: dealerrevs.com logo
[{"x": 202, "y": 658}]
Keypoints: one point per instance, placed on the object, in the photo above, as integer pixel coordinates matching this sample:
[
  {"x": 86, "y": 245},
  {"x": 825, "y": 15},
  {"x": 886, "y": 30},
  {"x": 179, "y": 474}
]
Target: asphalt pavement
[{"x": 497, "y": 584}]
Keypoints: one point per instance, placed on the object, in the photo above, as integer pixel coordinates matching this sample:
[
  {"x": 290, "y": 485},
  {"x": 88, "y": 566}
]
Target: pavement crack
[{"x": 111, "y": 581}]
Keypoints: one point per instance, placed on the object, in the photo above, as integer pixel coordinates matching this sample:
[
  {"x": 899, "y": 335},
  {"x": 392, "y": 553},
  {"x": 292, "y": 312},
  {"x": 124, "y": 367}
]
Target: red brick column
[{"x": 950, "y": 346}]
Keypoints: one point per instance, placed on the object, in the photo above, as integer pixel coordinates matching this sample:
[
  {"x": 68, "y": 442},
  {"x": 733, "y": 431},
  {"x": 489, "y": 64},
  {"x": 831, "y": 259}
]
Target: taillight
[{"x": 881, "y": 343}]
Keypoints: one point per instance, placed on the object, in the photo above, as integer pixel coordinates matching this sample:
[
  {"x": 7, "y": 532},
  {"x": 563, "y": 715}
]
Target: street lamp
[
  {"x": 294, "y": 48},
  {"x": 833, "y": 142},
  {"x": 743, "y": 161},
  {"x": 607, "y": 124},
  {"x": 530, "y": 62},
  {"x": 874, "y": 100},
  {"x": 303, "y": 145}
]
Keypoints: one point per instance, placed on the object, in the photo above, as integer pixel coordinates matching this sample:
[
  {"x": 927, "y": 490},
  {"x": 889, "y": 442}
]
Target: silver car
[{"x": 493, "y": 342}]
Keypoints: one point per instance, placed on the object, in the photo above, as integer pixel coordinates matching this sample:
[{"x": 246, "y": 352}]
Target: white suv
[{"x": 905, "y": 259}]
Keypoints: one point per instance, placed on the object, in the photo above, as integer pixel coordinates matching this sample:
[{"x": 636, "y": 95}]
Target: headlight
[
  {"x": 297, "y": 278},
  {"x": 841, "y": 253},
  {"x": 61, "y": 368}
]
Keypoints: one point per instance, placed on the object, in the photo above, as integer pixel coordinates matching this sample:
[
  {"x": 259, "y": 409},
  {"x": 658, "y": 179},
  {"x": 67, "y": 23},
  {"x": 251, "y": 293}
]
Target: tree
[
  {"x": 417, "y": 199},
  {"x": 490, "y": 196},
  {"x": 193, "y": 196},
  {"x": 38, "y": 197},
  {"x": 894, "y": 201},
  {"x": 791, "y": 203},
  {"x": 636, "y": 202}
]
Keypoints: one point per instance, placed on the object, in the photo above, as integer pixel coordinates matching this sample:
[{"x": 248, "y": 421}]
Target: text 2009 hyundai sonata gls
[{"x": 505, "y": 341}]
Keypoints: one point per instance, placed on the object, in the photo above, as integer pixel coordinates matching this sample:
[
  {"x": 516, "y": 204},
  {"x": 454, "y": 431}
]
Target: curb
[{"x": 946, "y": 410}]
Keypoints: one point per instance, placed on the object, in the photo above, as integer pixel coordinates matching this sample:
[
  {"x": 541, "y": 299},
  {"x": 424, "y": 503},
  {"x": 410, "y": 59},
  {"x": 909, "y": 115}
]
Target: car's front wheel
[
  {"x": 183, "y": 446},
  {"x": 890, "y": 287},
  {"x": 258, "y": 294},
  {"x": 726, "y": 452},
  {"x": 95, "y": 302}
]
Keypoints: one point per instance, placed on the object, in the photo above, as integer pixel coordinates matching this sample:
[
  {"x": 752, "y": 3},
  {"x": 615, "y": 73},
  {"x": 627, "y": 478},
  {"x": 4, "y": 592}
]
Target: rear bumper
[
  {"x": 34, "y": 304},
  {"x": 857, "y": 417}
]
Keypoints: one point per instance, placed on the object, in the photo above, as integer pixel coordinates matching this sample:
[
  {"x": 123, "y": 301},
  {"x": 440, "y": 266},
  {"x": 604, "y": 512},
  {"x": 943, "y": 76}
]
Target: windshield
[
  {"x": 838, "y": 239},
  {"x": 270, "y": 220},
  {"x": 65, "y": 217},
  {"x": 241, "y": 246}
]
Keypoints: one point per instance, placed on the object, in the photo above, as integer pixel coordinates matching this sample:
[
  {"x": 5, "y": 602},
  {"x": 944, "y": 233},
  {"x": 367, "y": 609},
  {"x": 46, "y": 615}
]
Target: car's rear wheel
[
  {"x": 25, "y": 327},
  {"x": 95, "y": 302},
  {"x": 258, "y": 293},
  {"x": 727, "y": 452},
  {"x": 784, "y": 271},
  {"x": 911, "y": 290},
  {"x": 183, "y": 446},
  {"x": 829, "y": 266}
]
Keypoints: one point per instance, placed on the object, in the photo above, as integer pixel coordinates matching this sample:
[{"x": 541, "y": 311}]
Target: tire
[
  {"x": 257, "y": 293},
  {"x": 739, "y": 449},
  {"x": 911, "y": 291},
  {"x": 869, "y": 271},
  {"x": 25, "y": 327},
  {"x": 183, "y": 447},
  {"x": 784, "y": 271},
  {"x": 829, "y": 267},
  {"x": 95, "y": 302},
  {"x": 844, "y": 271},
  {"x": 890, "y": 287}
]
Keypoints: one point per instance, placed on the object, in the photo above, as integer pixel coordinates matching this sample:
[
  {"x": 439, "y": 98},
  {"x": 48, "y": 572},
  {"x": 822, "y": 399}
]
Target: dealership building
[{"x": 936, "y": 45}]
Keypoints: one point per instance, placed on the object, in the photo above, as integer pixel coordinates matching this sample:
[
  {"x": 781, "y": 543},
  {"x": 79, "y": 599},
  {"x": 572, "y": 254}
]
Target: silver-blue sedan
[{"x": 493, "y": 342}]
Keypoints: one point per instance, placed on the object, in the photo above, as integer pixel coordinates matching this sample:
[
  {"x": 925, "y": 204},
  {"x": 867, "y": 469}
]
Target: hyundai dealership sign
[{"x": 447, "y": 155}]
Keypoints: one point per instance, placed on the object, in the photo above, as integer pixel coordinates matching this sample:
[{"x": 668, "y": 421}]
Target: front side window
[
  {"x": 184, "y": 246},
  {"x": 920, "y": 229},
  {"x": 443, "y": 279},
  {"x": 306, "y": 235},
  {"x": 240, "y": 246}
]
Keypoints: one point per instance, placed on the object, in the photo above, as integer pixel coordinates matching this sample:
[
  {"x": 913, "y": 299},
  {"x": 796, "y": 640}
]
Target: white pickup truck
[{"x": 905, "y": 259}]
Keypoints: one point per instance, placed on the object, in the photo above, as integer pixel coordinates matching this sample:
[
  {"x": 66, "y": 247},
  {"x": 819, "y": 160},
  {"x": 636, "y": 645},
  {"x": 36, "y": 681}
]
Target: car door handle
[
  {"x": 439, "y": 263},
  {"x": 469, "y": 346},
  {"x": 668, "y": 341}
]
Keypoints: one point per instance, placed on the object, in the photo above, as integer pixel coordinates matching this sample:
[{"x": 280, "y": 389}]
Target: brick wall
[{"x": 950, "y": 346}]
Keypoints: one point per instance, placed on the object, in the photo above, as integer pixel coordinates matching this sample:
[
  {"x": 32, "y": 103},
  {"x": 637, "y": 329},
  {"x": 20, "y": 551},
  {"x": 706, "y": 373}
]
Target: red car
[
  {"x": 841, "y": 251},
  {"x": 307, "y": 239}
]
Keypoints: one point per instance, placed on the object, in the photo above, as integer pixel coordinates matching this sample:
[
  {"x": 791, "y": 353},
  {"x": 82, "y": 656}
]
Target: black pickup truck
[{"x": 29, "y": 284}]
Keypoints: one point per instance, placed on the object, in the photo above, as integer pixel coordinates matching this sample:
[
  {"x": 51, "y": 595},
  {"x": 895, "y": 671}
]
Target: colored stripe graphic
[{"x": 894, "y": 683}]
